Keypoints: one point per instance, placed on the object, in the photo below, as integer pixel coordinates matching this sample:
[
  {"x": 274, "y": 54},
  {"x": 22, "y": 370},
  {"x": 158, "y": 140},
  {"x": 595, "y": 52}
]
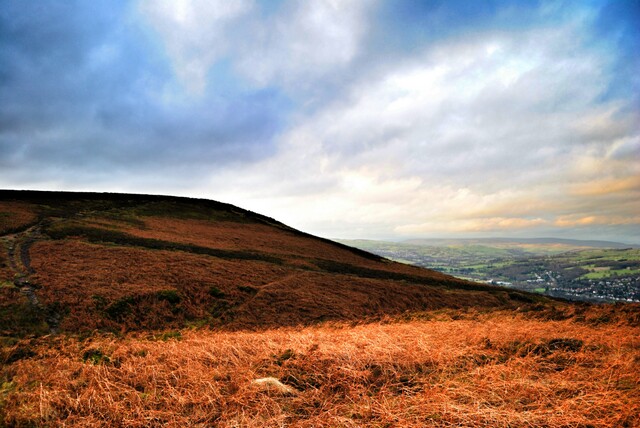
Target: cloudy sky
[{"x": 347, "y": 119}]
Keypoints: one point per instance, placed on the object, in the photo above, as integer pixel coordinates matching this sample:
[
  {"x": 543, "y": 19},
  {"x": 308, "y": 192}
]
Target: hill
[
  {"x": 82, "y": 261},
  {"x": 181, "y": 312}
]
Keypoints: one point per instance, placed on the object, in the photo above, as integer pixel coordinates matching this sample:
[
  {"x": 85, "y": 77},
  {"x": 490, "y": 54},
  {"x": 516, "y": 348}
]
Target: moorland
[{"x": 141, "y": 310}]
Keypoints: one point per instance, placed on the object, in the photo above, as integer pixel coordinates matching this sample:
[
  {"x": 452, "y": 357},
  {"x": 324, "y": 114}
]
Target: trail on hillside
[{"x": 18, "y": 246}]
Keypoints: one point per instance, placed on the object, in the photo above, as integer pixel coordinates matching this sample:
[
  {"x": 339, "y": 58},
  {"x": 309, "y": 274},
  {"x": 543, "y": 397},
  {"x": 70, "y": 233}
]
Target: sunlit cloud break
[{"x": 363, "y": 119}]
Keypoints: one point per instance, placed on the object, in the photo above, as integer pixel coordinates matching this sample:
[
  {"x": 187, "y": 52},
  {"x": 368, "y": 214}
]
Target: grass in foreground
[{"x": 498, "y": 369}]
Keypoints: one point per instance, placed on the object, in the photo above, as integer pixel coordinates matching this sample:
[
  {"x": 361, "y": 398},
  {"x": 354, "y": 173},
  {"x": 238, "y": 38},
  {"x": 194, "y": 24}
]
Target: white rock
[{"x": 274, "y": 385}]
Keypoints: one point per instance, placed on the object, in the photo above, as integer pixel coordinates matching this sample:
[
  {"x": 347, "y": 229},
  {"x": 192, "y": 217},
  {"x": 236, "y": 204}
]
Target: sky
[{"x": 344, "y": 118}]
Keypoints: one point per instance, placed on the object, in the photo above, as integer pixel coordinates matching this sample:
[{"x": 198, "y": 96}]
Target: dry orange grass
[
  {"x": 497, "y": 370},
  {"x": 231, "y": 235},
  {"x": 254, "y": 237},
  {"x": 84, "y": 279},
  {"x": 15, "y": 215}
]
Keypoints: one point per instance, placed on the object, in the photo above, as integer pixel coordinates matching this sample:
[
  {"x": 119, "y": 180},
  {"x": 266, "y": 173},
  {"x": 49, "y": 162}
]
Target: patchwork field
[{"x": 578, "y": 270}]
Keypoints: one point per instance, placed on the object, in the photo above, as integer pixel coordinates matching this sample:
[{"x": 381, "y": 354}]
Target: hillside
[
  {"x": 180, "y": 312},
  {"x": 78, "y": 261},
  {"x": 450, "y": 368}
]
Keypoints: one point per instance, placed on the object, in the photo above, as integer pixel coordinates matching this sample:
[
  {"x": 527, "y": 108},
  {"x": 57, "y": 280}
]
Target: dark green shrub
[
  {"x": 248, "y": 289},
  {"x": 216, "y": 292},
  {"x": 95, "y": 357},
  {"x": 170, "y": 296},
  {"x": 20, "y": 352},
  {"x": 118, "y": 310},
  {"x": 286, "y": 355},
  {"x": 99, "y": 235},
  {"x": 168, "y": 335}
]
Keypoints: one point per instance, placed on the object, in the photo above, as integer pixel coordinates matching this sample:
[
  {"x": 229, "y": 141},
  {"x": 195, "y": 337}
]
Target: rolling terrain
[
  {"x": 142, "y": 311},
  {"x": 79, "y": 262},
  {"x": 596, "y": 271}
]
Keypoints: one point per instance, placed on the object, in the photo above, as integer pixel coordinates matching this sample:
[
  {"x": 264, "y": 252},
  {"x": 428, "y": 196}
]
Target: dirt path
[{"x": 18, "y": 246}]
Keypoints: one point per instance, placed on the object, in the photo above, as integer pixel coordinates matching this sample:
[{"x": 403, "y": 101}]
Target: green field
[{"x": 577, "y": 270}]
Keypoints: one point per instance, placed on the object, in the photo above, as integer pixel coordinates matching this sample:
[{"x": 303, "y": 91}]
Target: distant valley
[{"x": 598, "y": 271}]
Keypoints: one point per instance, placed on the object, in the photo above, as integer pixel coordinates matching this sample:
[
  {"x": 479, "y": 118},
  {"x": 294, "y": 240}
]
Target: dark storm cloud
[{"x": 83, "y": 88}]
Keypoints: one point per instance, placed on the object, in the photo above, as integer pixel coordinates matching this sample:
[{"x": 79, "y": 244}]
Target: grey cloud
[
  {"x": 82, "y": 90},
  {"x": 628, "y": 150}
]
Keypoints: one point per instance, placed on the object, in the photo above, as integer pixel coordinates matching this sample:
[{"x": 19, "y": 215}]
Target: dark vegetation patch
[
  {"x": 99, "y": 235},
  {"x": 132, "y": 306},
  {"x": 284, "y": 356},
  {"x": 216, "y": 292},
  {"x": 121, "y": 216},
  {"x": 68, "y": 204},
  {"x": 168, "y": 335},
  {"x": 554, "y": 354},
  {"x": 20, "y": 351},
  {"x": 95, "y": 357},
  {"x": 190, "y": 211},
  {"x": 220, "y": 309},
  {"x": 446, "y": 282},
  {"x": 118, "y": 310},
  {"x": 248, "y": 289},
  {"x": 170, "y": 296},
  {"x": 334, "y": 267},
  {"x": 543, "y": 348},
  {"x": 19, "y": 318}
]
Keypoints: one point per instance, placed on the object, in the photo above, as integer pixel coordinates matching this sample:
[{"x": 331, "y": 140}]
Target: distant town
[{"x": 577, "y": 270}]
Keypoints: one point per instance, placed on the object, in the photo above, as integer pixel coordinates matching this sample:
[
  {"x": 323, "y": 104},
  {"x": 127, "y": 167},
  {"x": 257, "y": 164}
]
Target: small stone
[{"x": 271, "y": 384}]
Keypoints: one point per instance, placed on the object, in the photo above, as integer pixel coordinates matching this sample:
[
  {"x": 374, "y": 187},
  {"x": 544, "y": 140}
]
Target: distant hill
[
  {"x": 500, "y": 242},
  {"x": 75, "y": 262}
]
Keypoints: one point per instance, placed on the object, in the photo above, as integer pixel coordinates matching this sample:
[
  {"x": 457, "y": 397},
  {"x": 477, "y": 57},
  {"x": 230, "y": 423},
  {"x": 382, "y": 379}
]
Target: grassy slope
[
  {"x": 122, "y": 262},
  {"x": 448, "y": 368},
  {"x": 445, "y": 353}
]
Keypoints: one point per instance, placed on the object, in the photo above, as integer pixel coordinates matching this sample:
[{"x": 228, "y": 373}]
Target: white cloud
[
  {"x": 196, "y": 33},
  {"x": 502, "y": 131},
  {"x": 460, "y": 139},
  {"x": 299, "y": 43},
  {"x": 306, "y": 40}
]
